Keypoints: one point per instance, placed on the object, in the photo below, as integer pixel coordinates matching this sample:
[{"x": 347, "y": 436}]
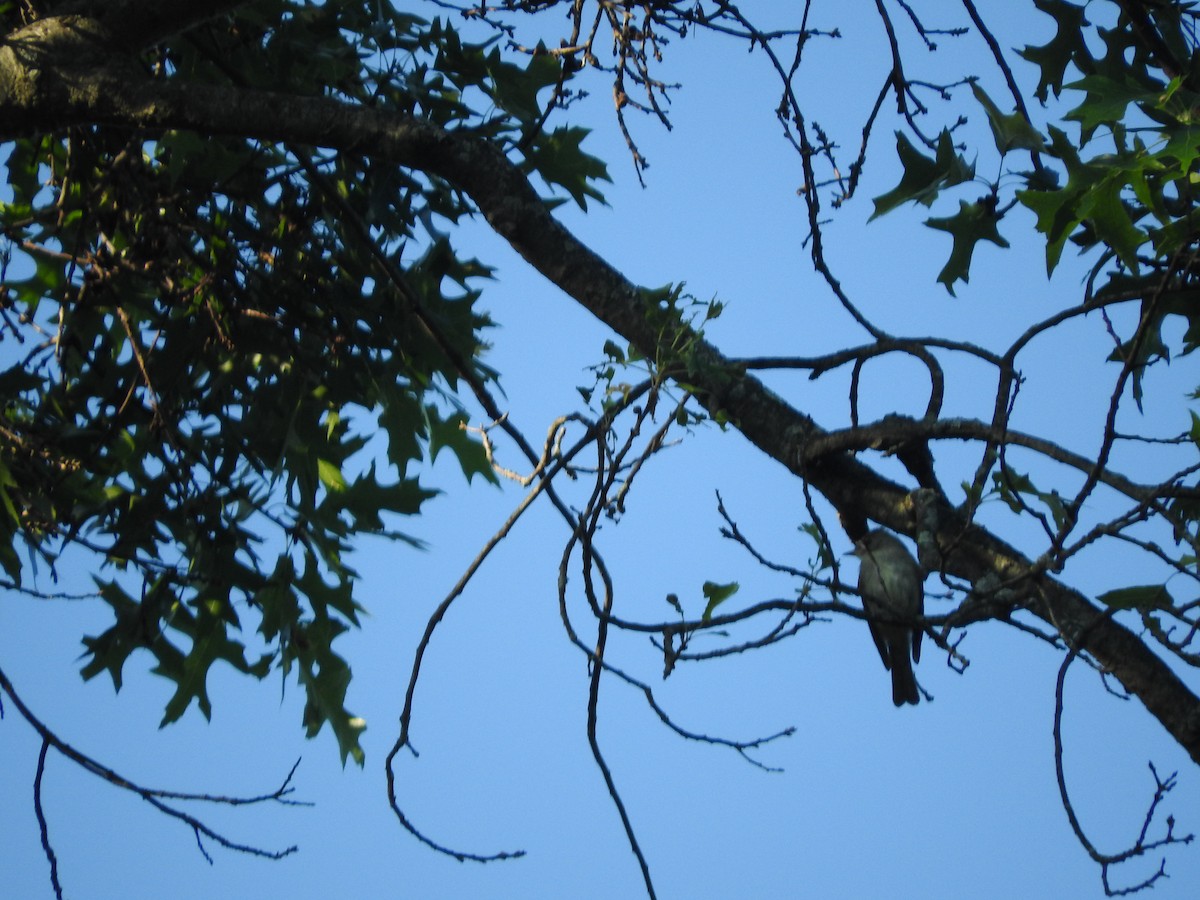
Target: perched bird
[{"x": 892, "y": 589}]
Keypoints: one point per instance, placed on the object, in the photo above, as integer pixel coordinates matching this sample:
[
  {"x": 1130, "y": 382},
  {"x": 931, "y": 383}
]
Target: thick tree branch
[{"x": 134, "y": 25}]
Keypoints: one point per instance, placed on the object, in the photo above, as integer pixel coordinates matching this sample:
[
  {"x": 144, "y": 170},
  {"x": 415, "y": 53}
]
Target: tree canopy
[{"x": 242, "y": 316}]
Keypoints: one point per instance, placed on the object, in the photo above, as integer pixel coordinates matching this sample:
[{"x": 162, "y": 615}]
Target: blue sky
[{"x": 952, "y": 798}]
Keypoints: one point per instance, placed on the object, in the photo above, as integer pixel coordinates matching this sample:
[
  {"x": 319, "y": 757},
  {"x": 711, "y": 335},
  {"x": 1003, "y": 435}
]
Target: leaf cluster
[
  {"x": 1133, "y": 203},
  {"x": 222, "y": 358}
]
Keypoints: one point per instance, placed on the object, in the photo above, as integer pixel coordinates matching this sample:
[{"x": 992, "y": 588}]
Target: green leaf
[
  {"x": 1104, "y": 210},
  {"x": 516, "y": 89},
  {"x": 972, "y": 493},
  {"x": 326, "y": 678},
  {"x": 1065, "y": 47},
  {"x": 110, "y": 650},
  {"x": 974, "y": 222},
  {"x": 1107, "y": 99},
  {"x": 825, "y": 556},
  {"x": 1145, "y": 349},
  {"x": 1144, "y": 597},
  {"x": 366, "y": 499},
  {"x": 322, "y": 596},
  {"x": 1011, "y": 132},
  {"x": 451, "y": 434},
  {"x": 277, "y": 600},
  {"x": 1010, "y": 484},
  {"x": 10, "y": 523},
  {"x": 1092, "y": 195},
  {"x": 331, "y": 476},
  {"x": 613, "y": 352},
  {"x": 559, "y": 159},
  {"x": 403, "y": 419},
  {"x": 716, "y": 594},
  {"x": 190, "y": 673},
  {"x": 207, "y": 626},
  {"x": 924, "y": 177}
]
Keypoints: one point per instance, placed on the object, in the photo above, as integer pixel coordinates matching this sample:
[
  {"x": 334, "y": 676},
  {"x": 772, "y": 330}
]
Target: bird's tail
[{"x": 904, "y": 682}]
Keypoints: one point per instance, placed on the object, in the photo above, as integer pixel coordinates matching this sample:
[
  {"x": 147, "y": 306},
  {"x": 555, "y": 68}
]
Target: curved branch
[
  {"x": 893, "y": 429},
  {"x": 43, "y": 826},
  {"x": 1142, "y": 845},
  {"x": 153, "y": 796}
]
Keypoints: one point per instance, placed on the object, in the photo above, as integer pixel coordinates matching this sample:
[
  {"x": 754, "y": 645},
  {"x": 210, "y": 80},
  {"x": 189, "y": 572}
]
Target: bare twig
[
  {"x": 154, "y": 796},
  {"x": 1141, "y": 845}
]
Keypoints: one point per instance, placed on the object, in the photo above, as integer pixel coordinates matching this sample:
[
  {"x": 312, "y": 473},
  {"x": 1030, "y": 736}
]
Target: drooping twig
[
  {"x": 1141, "y": 846},
  {"x": 154, "y": 796}
]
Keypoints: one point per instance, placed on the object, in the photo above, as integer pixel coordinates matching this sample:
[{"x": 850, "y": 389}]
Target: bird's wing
[{"x": 878, "y": 633}]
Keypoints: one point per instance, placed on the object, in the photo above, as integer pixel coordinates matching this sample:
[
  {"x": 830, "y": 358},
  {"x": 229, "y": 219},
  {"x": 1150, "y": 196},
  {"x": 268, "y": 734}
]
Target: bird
[{"x": 891, "y": 585}]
